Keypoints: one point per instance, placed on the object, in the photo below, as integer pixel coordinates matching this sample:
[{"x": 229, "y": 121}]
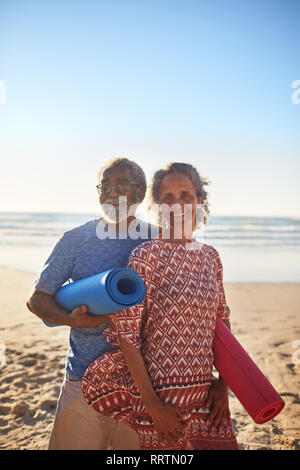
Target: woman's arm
[
  {"x": 167, "y": 419},
  {"x": 217, "y": 399},
  {"x": 221, "y": 380}
]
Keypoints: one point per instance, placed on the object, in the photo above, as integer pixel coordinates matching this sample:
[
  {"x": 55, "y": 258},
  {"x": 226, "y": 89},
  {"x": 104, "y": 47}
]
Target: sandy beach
[{"x": 264, "y": 318}]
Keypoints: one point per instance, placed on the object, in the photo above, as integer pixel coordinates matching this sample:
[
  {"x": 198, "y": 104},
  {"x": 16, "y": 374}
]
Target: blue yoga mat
[{"x": 103, "y": 293}]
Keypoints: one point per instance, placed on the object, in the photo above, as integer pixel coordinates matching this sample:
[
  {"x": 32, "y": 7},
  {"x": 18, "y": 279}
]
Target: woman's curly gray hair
[
  {"x": 192, "y": 173},
  {"x": 137, "y": 172}
]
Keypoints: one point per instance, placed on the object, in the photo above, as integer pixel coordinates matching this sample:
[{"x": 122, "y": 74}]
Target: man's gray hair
[{"x": 137, "y": 172}]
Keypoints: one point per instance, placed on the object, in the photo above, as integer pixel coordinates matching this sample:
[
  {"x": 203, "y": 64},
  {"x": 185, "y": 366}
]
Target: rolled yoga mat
[
  {"x": 243, "y": 377},
  {"x": 103, "y": 293}
]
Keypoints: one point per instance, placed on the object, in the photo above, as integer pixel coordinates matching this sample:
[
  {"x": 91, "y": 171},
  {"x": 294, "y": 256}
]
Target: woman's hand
[
  {"x": 168, "y": 422},
  {"x": 167, "y": 419},
  {"x": 217, "y": 401}
]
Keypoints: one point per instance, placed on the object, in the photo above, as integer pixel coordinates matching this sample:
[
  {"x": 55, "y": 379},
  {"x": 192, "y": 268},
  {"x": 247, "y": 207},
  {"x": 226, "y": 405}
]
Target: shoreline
[
  {"x": 36, "y": 274},
  {"x": 264, "y": 319}
]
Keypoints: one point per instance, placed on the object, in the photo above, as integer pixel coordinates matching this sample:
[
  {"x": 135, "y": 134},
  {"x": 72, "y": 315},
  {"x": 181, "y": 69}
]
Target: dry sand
[{"x": 264, "y": 318}]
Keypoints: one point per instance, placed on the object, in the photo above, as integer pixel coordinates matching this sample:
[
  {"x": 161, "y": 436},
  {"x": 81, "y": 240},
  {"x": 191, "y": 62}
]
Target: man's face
[{"x": 115, "y": 183}]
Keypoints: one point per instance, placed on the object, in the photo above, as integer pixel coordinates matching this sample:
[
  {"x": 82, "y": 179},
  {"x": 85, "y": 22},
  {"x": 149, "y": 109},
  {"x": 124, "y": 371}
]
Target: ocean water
[{"x": 252, "y": 249}]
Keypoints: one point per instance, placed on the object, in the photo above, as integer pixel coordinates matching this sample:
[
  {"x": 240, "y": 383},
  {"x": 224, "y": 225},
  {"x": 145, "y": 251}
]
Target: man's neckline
[{"x": 133, "y": 226}]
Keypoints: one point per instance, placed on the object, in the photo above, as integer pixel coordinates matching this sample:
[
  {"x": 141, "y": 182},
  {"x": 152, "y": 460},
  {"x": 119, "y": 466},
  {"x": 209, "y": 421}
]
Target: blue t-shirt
[{"x": 79, "y": 253}]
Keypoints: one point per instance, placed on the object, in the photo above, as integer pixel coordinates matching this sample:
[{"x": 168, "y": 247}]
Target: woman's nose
[
  {"x": 178, "y": 208},
  {"x": 178, "y": 202}
]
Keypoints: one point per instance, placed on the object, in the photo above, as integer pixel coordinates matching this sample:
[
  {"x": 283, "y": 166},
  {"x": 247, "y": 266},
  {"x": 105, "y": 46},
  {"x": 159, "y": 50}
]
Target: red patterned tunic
[{"x": 174, "y": 330}]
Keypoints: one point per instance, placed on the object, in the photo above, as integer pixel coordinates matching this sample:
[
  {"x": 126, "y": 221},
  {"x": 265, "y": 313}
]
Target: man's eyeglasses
[{"x": 121, "y": 188}]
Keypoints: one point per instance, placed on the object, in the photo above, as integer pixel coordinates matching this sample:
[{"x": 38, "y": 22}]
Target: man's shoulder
[
  {"x": 85, "y": 229},
  {"x": 80, "y": 234}
]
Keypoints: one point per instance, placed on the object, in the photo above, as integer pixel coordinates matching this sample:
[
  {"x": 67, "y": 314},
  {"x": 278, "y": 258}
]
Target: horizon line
[{"x": 93, "y": 213}]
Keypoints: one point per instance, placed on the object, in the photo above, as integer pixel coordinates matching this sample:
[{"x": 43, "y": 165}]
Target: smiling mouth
[{"x": 178, "y": 215}]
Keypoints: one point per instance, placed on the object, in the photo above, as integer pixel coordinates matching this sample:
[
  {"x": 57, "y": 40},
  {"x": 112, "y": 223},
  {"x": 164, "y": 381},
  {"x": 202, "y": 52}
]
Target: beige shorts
[{"x": 78, "y": 427}]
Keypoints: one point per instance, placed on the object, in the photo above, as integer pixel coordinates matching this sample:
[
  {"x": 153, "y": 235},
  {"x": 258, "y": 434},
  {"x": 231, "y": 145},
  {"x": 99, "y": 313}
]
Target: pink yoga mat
[{"x": 243, "y": 377}]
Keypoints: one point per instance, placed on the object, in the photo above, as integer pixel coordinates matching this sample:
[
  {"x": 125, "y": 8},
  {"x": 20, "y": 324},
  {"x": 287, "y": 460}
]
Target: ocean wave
[
  {"x": 259, "y": 228},
  {"x": 42, "y": 229}
]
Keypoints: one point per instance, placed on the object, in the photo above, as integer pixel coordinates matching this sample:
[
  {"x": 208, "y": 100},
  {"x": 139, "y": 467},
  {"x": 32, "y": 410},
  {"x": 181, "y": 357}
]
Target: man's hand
[
  {"x": 80, "y": 318},
  {"x": 217, "y": 401}
]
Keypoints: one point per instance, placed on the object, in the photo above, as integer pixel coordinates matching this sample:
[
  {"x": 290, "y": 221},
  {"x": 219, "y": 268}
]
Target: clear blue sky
[{"x": 205, "y": 82}]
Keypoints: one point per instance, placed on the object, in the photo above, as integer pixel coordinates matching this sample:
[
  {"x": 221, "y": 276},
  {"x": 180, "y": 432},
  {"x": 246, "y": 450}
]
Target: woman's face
[{"x": 177, "y": 193}]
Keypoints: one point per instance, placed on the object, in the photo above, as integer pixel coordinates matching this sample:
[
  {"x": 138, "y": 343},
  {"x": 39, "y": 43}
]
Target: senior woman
[{"x": 159, "y": 378}]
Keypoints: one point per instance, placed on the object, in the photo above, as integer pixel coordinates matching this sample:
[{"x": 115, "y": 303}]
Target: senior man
[{"x": 81, "y": 252}]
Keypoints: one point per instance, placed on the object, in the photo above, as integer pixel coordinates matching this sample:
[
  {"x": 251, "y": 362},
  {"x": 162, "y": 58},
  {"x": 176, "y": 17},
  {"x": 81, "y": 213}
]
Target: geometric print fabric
[{"x": 173, "y": 329}]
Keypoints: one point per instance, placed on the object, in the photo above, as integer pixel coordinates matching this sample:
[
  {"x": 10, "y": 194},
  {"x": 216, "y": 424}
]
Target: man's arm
[{"x": 45, "y": 307}]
